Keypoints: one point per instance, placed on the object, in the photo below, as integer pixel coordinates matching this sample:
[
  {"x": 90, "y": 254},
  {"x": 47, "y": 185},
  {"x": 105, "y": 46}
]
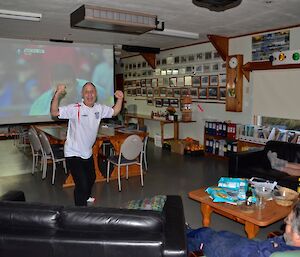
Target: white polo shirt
[{"x": 82, "y": 127}]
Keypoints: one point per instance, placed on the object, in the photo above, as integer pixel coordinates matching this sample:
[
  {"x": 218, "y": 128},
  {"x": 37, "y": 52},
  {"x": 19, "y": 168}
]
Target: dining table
[{"x": 57, "y": 134}]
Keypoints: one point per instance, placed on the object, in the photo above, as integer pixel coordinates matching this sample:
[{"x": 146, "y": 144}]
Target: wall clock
[{"x": 234, "y": 83}]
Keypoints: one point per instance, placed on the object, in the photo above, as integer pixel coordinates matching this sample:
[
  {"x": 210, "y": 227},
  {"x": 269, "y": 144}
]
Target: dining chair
[
  {"x": 130, "y": 154},
  {"x": 55, "y": 155},
  {"x": 36, "y": 148},
  {"x": 144, "y": 152}
]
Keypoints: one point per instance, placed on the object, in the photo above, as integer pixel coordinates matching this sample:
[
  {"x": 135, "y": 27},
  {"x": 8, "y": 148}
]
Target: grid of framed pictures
[
  {"x": 200, "y": 75},
  {"x": 211, "y": 87},
  {"x": 203, "y": 62}
]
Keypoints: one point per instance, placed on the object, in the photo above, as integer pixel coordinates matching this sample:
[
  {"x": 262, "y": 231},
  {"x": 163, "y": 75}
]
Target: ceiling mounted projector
[
  {"x": 217, "y": 5},
  {"x": 113, "y": 20}
]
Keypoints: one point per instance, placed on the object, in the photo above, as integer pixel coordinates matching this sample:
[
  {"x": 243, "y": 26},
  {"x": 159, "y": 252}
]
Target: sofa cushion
[
  {"x": 33, "y": 215},
  {"x": 155, "y": 203},
  {"x": 111, "y": 219}
]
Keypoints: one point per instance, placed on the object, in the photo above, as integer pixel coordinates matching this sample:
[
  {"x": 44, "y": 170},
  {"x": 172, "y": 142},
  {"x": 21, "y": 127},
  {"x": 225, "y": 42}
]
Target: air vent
[
  {"x": 217, "y": 5},
  {"x": 107, "y": 19}
]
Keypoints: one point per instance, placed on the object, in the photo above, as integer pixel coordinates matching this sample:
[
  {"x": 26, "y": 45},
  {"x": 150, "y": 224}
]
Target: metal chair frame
[{"x": 130, "y": 154}]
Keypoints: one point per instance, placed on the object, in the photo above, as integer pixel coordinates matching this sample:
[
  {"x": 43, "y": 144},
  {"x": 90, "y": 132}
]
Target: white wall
[{"x": 215, "y": 111}]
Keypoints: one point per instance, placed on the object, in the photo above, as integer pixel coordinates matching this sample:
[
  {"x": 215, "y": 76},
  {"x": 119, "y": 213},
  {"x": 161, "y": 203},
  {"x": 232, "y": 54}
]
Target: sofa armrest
[
  {"x": 17, "y": 196},
  {"x": 175, "y": 234},
  {"x": 286, "y": 254},
  {"x": 241, "y": 160}
]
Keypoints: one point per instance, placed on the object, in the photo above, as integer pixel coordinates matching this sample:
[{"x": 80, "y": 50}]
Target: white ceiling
[{"x": 250, "y": 16}]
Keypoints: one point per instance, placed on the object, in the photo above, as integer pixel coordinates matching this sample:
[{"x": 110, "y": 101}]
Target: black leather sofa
[
  {"x": 40, "y": 230},
  {"x": 256, "y": 163}
]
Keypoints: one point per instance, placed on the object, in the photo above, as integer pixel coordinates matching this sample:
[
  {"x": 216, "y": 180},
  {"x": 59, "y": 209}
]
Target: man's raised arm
[{"x": 55, "y": 100}]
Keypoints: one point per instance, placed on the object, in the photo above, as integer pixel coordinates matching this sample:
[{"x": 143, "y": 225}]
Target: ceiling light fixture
[
  {"x": 175, "y": 33},
  {"x": 25, "y": 16}
]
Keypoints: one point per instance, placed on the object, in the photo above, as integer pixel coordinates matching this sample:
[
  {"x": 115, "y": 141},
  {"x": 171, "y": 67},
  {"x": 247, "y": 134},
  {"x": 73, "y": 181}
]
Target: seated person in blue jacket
[
  {"x": 227, "y": 244},
  {"x": 290, "y": 168}
]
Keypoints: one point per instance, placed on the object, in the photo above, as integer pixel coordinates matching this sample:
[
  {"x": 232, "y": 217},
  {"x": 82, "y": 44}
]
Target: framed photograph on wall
[
  {"x": 202, "y": 93},
  {"x": 166, "y": 82},
  {"x": 222, "y": 93},
  {"x": 148, "y": 82},
  {"x": 150, "y": 101},
  {"x": 199, "y": 56},
  {"x": 208, "y": 55},
  {"x": 215, "y": 67},
  {"x": 163, "y": 72},
  {"x": 138, "y": 91},
  {"x": 149, "y": 91},
  {"x": 206, "y": 67},
  {"x": 180, "y": 81},
  {"x": 158, "y": 102},
  {"x": 157, "y": 72},
  {"x": 174, "y": 103},
  {"x": 163, "y": 61},
  {"x": 222, "y": 80},
  {"x": 143, "y": 83},
  {"x": 156, "y": 92},
  {"x": 191, "y": 58},
  {"x": 169, "y": 71},
  {"x": 165, "y": 102},
  {"x": 169, "y": 92},
  {"x": 213, "y": 80},
  {"x": 157, "y": 62},
  {"x": 160, "y": 82},
  {"x": 194, "y": 92},
  {"x": 154, "y": 82},
  {"x": 144, "y": 91},
  {"x": 184, "y": 92},
  {"x": 187, "y": 81},
  {"x": 216, "y": 55},
  {"x": 170, "y": 60},
  {"x": 173, "y": 82},
  {"x": 176, "y": 59},
  {"x": 144, "y": 64},
  {"x": 133, "y": 91},
  {"x": 177, "y": 92},
  {"x": 163, "y": 92},
  {"x": 128, "y": 92},
  {"x": 189, "y": 69},
  {"x": 181, "y": 71},
  {"x": 212, "y": 93},
  {"x": 199, "y": 68},
  {"x": 205, "y": 81},
  {"x": 183, "y": 59},
  {"x": 175, "y": 72},
  {"x": 196, "y": 81}
]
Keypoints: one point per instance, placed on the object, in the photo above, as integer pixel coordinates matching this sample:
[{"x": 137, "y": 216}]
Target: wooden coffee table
[{"x": 252, "y": 217}]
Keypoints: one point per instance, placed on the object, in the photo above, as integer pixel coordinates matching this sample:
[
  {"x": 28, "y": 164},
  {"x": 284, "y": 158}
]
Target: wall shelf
[{"x": 265, "y": 65}]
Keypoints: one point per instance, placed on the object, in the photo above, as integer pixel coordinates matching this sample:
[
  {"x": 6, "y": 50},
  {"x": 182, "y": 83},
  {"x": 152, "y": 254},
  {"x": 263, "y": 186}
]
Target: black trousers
[{"x": 83, "y": 173}]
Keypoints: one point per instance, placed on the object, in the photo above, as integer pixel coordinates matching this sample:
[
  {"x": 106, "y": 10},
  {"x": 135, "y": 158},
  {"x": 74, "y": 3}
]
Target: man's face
[{"x": 89, "y": 95}]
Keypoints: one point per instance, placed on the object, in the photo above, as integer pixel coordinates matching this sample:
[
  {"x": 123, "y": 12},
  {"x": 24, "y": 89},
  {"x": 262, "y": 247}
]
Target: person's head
[
  {"x": 89, "y": 94},
  {"x": 292, "y": 226}
]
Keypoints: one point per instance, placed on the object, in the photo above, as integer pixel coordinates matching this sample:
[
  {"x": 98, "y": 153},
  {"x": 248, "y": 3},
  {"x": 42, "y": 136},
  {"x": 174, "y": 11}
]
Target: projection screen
[{"x": 31, "y": 70}]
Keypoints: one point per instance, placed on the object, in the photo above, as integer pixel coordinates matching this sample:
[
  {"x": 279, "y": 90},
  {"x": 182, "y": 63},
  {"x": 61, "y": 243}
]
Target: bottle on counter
[{"x": 249, "y": 196}]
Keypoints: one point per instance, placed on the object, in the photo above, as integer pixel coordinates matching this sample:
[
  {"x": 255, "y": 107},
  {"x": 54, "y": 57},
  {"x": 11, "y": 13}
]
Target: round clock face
[{"x": 233, "y": 62}]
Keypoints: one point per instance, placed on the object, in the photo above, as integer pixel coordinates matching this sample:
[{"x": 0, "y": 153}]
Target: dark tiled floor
[{"x": 168, "y": 173}]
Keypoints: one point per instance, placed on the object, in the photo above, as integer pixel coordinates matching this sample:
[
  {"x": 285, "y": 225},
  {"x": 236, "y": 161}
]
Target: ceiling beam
[
  {"x": 221, "y": 44},
  {"x": 150, "y": 58}
]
